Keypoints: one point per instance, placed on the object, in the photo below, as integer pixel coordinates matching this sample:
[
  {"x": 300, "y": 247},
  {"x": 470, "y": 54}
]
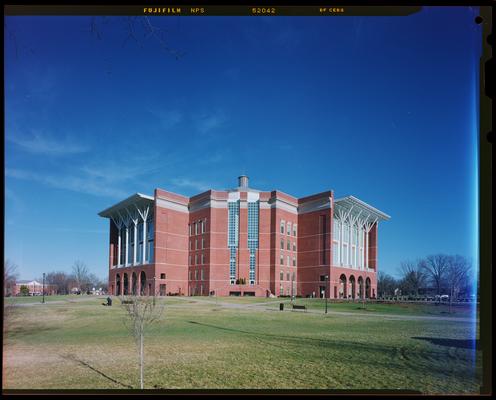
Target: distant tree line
[
  {"x": 437, "y": 274},
  {"x": 79, "y": 279}
]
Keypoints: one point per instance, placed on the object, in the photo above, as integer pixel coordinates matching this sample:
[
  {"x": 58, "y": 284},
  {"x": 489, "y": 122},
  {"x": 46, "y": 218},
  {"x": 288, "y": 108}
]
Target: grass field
[{"x": 203, "y": 345}]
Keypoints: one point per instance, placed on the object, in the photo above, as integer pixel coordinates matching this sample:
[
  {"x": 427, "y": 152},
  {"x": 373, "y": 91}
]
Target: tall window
[
  {"x": 203, "y": 258},
  {"x": 150, "y": 236},
  {"x": 196, "y": 244},
  {"x": 282, "y": 227},
  {"x": 294, "y": 261},
  {"x": 140, "y": 243},
  {"x": 287, "y": 276},
  {"x": 130, "y": 254},
  {"x": 195, "y": 229},
  {"x": 196, "y": 259},
  {"x": 282, "y": 260},
  {"x": 282, "y": 244},
  {"x": 294, "y": 246},
  {"x": 288, "y": 258},
  {"x": 203, "y": 243},
  {"x": 336, "y": 230},
  {"x": 288, "y": 230},
  {"x": 202, "y": 278},
  {"x": 281, "y": 276},
  {"x": 294, "y": 230},
  {"x": 289, "y": 245},
  {"x": 204, "y": 226}
]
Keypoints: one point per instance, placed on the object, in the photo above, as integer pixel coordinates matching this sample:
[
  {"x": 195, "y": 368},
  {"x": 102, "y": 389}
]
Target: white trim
[{"x": 172, "y": 205}]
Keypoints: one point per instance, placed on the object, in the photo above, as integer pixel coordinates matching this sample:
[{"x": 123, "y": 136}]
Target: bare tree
[
  {"x": 457, "y": 275},
  {"x": 385, "y": 284},
  {"x": 435, "y": 267},
  {"x": 10, "y": 276},
  {"x": 141, "y": 312},
  {"x": 413, "y": 276},
  {"x": 60, "y": 280},
  {"x": 81, "y": 275}
]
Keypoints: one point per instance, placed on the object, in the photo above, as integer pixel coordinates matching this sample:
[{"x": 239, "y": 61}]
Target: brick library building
[{"x": 243, "y": 242}]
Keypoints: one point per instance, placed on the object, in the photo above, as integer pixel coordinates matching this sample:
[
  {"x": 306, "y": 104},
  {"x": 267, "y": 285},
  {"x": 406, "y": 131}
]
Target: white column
[
  {"x": 144, "y": 241},
  {"x": 119, "y": 249},
  {"x": 341, "y": 245},
  {"x": 135, "y": 223},
  {"x": 126, "y": 256}
]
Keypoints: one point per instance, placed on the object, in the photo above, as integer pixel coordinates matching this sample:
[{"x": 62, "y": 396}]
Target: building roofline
[
  {"x": 130, "y": 200},
  {"x": 352, "y": 200}
]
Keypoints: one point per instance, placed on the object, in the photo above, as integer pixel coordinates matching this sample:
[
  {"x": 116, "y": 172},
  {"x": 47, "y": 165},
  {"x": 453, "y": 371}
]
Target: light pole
[
  {"x": 325, "y": 293},
  {"x": 154, "y": 289},
  {"x": 43, "y": 289},
  {"x": 292, "y": 284}
]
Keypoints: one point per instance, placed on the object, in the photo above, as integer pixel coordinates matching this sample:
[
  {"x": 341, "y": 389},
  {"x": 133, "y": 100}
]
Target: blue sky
[{"x": 383, "y": 108}]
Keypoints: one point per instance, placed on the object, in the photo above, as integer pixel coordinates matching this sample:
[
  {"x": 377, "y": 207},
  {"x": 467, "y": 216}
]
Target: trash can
[{"x": 281, "y": 306}]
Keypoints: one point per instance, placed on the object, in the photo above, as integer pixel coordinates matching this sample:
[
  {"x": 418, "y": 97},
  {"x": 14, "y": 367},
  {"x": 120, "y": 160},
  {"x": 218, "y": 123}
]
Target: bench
[
  {"x": 127, "y": 302},
  {"x": 297, "y": 307}
]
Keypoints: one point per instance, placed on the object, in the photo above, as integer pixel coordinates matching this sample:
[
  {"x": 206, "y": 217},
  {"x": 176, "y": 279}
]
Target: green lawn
[
  {"x": 38, "y": 299},
  {"x": 199, "y": 344},
  {"x": 382, "y": 308}
]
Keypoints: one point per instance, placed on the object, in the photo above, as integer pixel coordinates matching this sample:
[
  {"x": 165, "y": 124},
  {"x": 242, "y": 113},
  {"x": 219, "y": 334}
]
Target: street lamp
[
  {"x": 326, "y": 280},
  {"x": 43, "y": 289},
  {"x": 154, "y": 288}
]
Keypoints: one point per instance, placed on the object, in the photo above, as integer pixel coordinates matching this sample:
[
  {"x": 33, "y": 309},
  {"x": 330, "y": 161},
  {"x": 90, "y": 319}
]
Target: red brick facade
[{"x": 191, "y": 249}]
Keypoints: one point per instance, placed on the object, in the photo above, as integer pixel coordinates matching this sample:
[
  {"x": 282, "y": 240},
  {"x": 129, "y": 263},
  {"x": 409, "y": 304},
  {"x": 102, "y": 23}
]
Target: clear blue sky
[{"x": 382, "y": 108}]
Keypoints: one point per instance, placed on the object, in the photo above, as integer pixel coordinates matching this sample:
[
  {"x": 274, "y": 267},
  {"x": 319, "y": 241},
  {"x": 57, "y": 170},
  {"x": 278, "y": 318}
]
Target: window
[
  {"x": 287, "y": 276},
  {"x": 190, "y": 274},
  {"x": 203, "y": 258},
  {"x": 196, "y": 259},
  {"x": 294, "y": 230},
  {"x": 294, "y": 261},
  {"x": 282, "y": 244},
  {"x": 200, "y": 226},
  {"x": 282, "y": 227},
  {"x": 289, "y": 245},
  {"x": 140, "y": 243},
  {"x": 202, "y": 277},
  {"x": 190, "y": 244},
  {"x": 294, "y": 276},
  {"x": 131, "y": 245},
  {"x": 288, "y": 258},
  {"x": 195, "y": 228},
  {"x": 203, "y": 243},
  {"x": 294, "y": 246},
  {"x": 281, "y": 276},
  {"x": 190, "y": 259},
  {"x": 162, "y": 276},
  {"x": 282, "y": 260},
  {"x": 150, "y": 237},
  {"x": 288, "y": 230},
  {"x": 204, "y": 227},
  {"x": 335, "y": 253},
  {"x": 196, "y": 244},
  {"x": 281, "y": 290},
  {"x": 346, "y": 234},
  {"x": 190, "y": 229},
  {"x": 336, "y": 230},
  {"x": 196, "y": 274},
  {"x": 345, "y": 254}
]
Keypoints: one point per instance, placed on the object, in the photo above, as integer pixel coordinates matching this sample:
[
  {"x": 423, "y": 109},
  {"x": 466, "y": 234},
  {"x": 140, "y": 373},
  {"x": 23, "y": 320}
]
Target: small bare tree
[
  {"x": 457, "y": 275},
  {"x": 81, "y": 275},
  {"x": 141, "y": 312}
]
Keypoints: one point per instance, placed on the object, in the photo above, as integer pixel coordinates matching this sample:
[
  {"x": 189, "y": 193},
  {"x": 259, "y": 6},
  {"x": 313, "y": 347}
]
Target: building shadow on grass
[
  {"x": 459, "y": 343},
  {"x": 85, "y": 364}
]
